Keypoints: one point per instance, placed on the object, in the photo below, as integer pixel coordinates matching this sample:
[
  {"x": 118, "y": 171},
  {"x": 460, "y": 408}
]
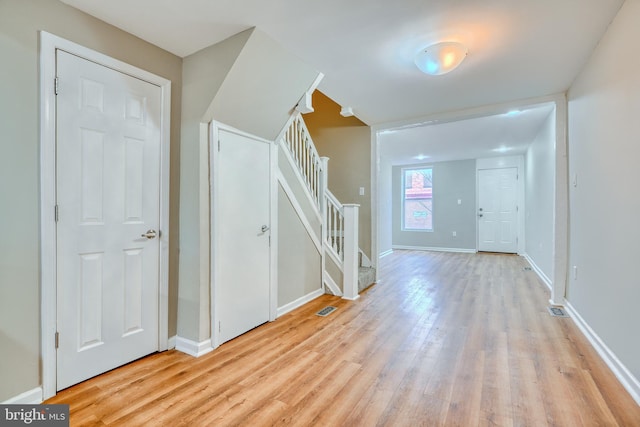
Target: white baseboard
[
  {"x": 626, "y": 378},
  {"x": 171, "y": 342},
  {"x": 31, "y": 397},
  {"x": 539, "y": 272},
  {"x": 299, "y": 302},
  {"x": 192, "y": 348},
  {"x": 385, "y": 253},
  {"x": 426, "y": 248}
]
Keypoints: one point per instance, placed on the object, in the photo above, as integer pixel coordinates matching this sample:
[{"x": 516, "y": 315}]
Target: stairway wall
[
  {"x": 299, "y": 262},
  {"x": 347, "y": 143},
  {"x": 249, "y": 82},
  {"x": 332, "y": 269},
  {"x": 203, "y": 74},
  {"x": 262, "y": 87}
]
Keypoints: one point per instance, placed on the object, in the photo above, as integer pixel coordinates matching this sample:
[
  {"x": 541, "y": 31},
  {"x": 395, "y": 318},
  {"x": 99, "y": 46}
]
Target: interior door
[
  {"x": 107, "y": 191},
  {"x": 242, "y": 234},
  {"x": 497, "y": 210}
]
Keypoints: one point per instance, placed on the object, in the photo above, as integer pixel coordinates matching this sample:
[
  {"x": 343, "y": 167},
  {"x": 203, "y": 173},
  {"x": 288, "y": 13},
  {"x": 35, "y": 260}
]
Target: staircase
[{"x": 346, "y": 270}]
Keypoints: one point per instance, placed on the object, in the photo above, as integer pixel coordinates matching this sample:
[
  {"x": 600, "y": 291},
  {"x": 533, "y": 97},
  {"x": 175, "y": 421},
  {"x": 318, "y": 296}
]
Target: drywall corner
[{"x": 263, "y": 86}]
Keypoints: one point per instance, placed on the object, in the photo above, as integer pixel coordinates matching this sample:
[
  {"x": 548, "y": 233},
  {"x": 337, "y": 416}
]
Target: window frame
[{"x": 403, "y": 176}]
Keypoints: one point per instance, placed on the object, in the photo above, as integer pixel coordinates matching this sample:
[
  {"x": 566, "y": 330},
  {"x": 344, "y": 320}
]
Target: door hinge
[
  {"x": 269, "y": 241},
  {"x": 218, "y": 145},
  {"x": 57, "y": 339},
  {"x": 55, "y": 85},
  {"x": 517, "y": 208},
  {"x": 55, "y": 213},
  {"x": 219, "y": 326}
]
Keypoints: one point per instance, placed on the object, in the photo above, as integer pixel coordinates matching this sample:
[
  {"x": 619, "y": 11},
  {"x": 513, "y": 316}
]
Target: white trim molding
[
  {"x": 31, "y": 397},
  {"x": 332, "y": 285},
  {"x": 385, "y": 253},
  {"x": 299, "y": 211},
  {"x": 300, "y": 302},
  {"x": 435, "y": 249},
  {"x": 171, "y": 342},
  {"x": 193, "y": 348},
  {"x": 538, "y": 271},
  {"x": 49, "y": 44},
  {"x": 626, "y": 378}
]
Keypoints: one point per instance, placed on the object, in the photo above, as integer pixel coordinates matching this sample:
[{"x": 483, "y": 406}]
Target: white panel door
[
  {"x": 497, "y": 210},
  {"x": 242, "y": 234},
  {"x": 108, "y": 183}
]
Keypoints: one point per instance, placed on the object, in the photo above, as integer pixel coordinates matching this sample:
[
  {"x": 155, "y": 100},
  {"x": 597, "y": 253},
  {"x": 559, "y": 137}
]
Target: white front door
[
  {"x": 108, "y": 192},
  {"x": 242, "y": 233},
  {"x": 497, "y": 210}
]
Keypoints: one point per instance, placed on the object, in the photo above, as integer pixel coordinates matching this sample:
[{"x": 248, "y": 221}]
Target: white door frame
[
  {"x": 516, "y": 162},
  {"x": 49, "y": 43},
  {"x": 215, "y": 128}
]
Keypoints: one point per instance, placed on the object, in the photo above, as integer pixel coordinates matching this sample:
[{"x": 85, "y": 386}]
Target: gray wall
[
  {"x": 451, "y": 181},
  {"x": 540, "y": 162},
  {"x": 603, "y": 137},
  {"x": 20, "y": 20}
]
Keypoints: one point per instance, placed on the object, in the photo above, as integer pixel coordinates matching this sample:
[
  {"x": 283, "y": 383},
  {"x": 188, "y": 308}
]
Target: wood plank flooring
[{"x": 441, "y": 339}]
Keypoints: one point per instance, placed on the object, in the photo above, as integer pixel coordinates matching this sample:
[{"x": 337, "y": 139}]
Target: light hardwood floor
[{"x": 442, "y": 339}]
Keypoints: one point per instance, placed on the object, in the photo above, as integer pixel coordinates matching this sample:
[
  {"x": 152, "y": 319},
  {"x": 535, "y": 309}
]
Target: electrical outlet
[
  {"x": 362, "y": 191},
  {"x": 575, "y": 272},
  {"x": 459, "y": 201},
  {"x": 454, "y": 234}
]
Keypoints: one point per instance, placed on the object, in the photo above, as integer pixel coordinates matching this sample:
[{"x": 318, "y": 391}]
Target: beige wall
[
  {"x": 223, "y": 83},
  {"x": 603, "y": 130},
  {"x": 299, "y": 262},
  {"x": 262, "y": 88},
  {"x": 203, "y": 74},
  {"x": 347, "y": 143},
  {"x": 20, "y": 21}
]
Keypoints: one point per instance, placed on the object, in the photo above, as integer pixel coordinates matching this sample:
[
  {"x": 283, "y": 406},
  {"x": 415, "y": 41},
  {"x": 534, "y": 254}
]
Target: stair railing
[
  {"x": 334, "y": 226},
  {"x": 305, "y": 155},
  {"x": 340, "y": 222}
]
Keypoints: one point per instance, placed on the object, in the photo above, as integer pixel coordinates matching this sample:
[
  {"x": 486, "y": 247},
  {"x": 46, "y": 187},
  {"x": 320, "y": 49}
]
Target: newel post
[{"x": 350, "y": 284}]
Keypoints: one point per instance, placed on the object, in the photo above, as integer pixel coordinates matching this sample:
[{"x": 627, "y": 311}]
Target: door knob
[
  {"x": 264, "y": 228},
  {"x": 480, "y": 215},
  {"x": 150, "y": 234}
]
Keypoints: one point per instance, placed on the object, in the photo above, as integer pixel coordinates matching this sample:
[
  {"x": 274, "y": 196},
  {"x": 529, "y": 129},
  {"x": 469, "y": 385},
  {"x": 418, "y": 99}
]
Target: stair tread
[{"x": 366, "y": 277}]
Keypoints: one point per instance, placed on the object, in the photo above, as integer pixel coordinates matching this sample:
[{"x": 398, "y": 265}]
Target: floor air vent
[
  {"x": 326, "y": 311},
  {"x": 557, "y": 312}
]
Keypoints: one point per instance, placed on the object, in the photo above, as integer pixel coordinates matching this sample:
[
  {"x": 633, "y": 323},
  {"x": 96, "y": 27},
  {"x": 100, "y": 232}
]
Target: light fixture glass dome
[{"x": 440, "y": 58}]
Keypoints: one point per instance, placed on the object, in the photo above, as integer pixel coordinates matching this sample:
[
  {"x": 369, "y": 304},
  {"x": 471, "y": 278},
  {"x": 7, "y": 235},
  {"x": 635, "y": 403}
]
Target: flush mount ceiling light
[{"x": 440, "y": 58}]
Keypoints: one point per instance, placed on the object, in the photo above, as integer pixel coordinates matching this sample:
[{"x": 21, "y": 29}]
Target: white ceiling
[
  {"x": 505, "y": 134},
  {"x": 518, "y": 49}
]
